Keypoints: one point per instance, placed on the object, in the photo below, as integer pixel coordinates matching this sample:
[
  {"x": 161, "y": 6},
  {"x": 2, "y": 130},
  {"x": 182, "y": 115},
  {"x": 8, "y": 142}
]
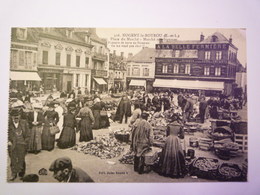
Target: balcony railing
[
  {"x": 99, "y": 56},
  {"x": 99, "y": 73}
]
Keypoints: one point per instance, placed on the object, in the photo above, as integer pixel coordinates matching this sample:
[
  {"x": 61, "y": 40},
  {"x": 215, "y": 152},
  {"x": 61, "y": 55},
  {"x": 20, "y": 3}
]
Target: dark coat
[
  {"x": 40, "y": 119},
  {"x": 23, "y": 125},
  {"x": 78, "y": 175},
  {"x": 124, "y": 107}
]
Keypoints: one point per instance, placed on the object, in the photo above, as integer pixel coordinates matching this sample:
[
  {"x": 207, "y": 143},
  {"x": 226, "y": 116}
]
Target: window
[
  {"x": 57, "y": 58},
  {"x": 187, "y": 69},
  {"x": 207, "y": 55},
  {"x": 78, "y": 61},
  {"x": 87, "y": 62},
  {"x": 28, "y": 58},
  {"x": 217, "y": 71},
  {"x": 218, "y": 55},
  {"x": 145, "y": 71},
  {"x": 136, "y": 71},
  {"x": 86, "y": 80},
  {"x": 21, "y": 33},
  {"x": 164, "y": 69},
  {"x": 44, "y": 57},
  {"x": 206, "y": 70},
  {"x": 176, "y": 68},
  {"x": 95, "y": 65},
  {"x": 21, "y": 58},
  {"x": 100, "y": 49},
  {"x": 128, "y": 71},
  {"x": 176, "y": 53},
  {"x": 77, "y": 80},
  {"x": 34, "y": 59},
  {"x": 68, "y": 62},
  {"x": 14, "y": 58}
]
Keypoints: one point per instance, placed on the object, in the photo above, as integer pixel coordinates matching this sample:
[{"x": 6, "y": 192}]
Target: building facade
[
  {"x": 117, "y": 72},
  {"x": 141, "y": 69},
  {"x": 207, "y": 64},
  {"x": 100, "y": 62},
  {"x": 23, "y": 63},
  {"x": 64, "y": 59}
]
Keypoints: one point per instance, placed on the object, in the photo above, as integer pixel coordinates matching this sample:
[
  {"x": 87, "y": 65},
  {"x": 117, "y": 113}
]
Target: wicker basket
[
  {"x": 206, "y": 174},
  {"x": 225, "y": 176},
  {"x": 122, "y": 137}
]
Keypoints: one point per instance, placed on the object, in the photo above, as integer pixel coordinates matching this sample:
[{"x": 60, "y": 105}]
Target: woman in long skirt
[
  {"x": 85, "y": 126},
  {"x": 96, "y": 108},
  {"x": 35, "y": 120},
  {"x": 68, "y": 135},
  {"x": 51, "y": 119},
  {"x": 172, "y": 162}
]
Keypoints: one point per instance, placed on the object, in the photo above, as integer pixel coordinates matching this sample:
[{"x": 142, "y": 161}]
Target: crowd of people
[{"x": 36, "y": 125}]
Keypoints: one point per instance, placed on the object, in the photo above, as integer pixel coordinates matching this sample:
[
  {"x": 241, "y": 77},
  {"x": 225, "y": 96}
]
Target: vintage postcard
[{"x": 127, "y": 105}]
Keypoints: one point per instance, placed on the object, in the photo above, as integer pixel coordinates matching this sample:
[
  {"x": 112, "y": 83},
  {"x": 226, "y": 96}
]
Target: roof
[
  {"x": 145, "y": 55},
  {"x": 32, "y": 36},
  {"x": 220, "y": 39}
]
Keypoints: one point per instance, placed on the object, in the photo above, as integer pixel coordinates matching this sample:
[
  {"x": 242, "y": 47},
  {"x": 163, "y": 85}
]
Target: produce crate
[
  {"x": 241, "y": 140},
  {"x": 205, "y": 144},
  {"x": 229, "y": 172}
]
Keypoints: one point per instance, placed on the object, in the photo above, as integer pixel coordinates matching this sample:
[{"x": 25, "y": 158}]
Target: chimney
[
  {"x": 230, "y": 39},
  {"x": 201, "y": 37},
  {"x": 122, "y": 54},
  {"x": 160, "y": 41},
  {"x": 130, "y": 55}
]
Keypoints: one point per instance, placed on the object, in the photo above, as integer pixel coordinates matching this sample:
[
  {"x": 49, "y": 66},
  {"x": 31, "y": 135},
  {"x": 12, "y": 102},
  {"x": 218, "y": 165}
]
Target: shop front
[
  {"x": 25, "y": 81},
  {"x": 52, "y": 80},
  {"x": 137, "y": 84},
  {"x": 99, "y": 85},
  {"x": 190, "y": 85}
]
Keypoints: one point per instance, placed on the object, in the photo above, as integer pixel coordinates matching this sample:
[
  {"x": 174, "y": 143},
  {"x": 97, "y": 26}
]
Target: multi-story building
[
  {"x": 64, "y": 59},
  {"x": 140, "y": 69},
  {"x": 100, "y": 61},
  {"x": 117, "y": 72},
  {"x": 207, "y": 64},
  {"x": 23, "y": 64}
]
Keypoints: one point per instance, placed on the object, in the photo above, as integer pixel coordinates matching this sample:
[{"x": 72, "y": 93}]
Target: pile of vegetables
[{"x": 103, "y": 147}]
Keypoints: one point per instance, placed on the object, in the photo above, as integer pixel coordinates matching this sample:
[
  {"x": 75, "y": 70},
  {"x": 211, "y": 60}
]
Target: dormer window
[
  {"x": 86, "y": 39},
  {"x": 69, "y": 33},
  {"x": 214, "y": 38},
  {"x": 21, "y": 33}
]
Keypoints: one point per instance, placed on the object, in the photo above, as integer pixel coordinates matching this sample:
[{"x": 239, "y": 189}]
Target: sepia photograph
[{"x": 127, "y": 105}]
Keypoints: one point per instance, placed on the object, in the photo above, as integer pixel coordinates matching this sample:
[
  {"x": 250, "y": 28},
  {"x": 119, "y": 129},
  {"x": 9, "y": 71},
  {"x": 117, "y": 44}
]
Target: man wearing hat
[
  {"x": 65, "y": 172},
  {"x": 142, "y": 139},
  {"x": 18, "y": 137}
]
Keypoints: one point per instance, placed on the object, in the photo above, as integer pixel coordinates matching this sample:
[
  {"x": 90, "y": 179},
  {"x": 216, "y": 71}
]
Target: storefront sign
[{"x": 217, "y": 46}]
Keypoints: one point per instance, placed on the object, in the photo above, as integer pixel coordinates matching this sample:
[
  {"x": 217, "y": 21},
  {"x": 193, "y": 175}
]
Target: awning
[
  {"x": 189, "y": 84},
  {"x": 135, "y": 82},
  {"x": 100, "y": 81},
  {"x": 24, "y": 76}
]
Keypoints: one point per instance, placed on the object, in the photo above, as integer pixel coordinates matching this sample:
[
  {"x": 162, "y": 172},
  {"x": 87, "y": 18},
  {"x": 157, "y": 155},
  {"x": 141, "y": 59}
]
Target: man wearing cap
[
  {"x": 65, "y": 172},
  {"x": 18, "y": 137},
  {"x": 142, "y": 139}
]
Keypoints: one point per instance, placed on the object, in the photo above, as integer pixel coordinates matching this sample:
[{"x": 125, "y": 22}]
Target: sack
[
  {"x": 54, "y": 130},
  {"x": 103, "y": 113}
]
